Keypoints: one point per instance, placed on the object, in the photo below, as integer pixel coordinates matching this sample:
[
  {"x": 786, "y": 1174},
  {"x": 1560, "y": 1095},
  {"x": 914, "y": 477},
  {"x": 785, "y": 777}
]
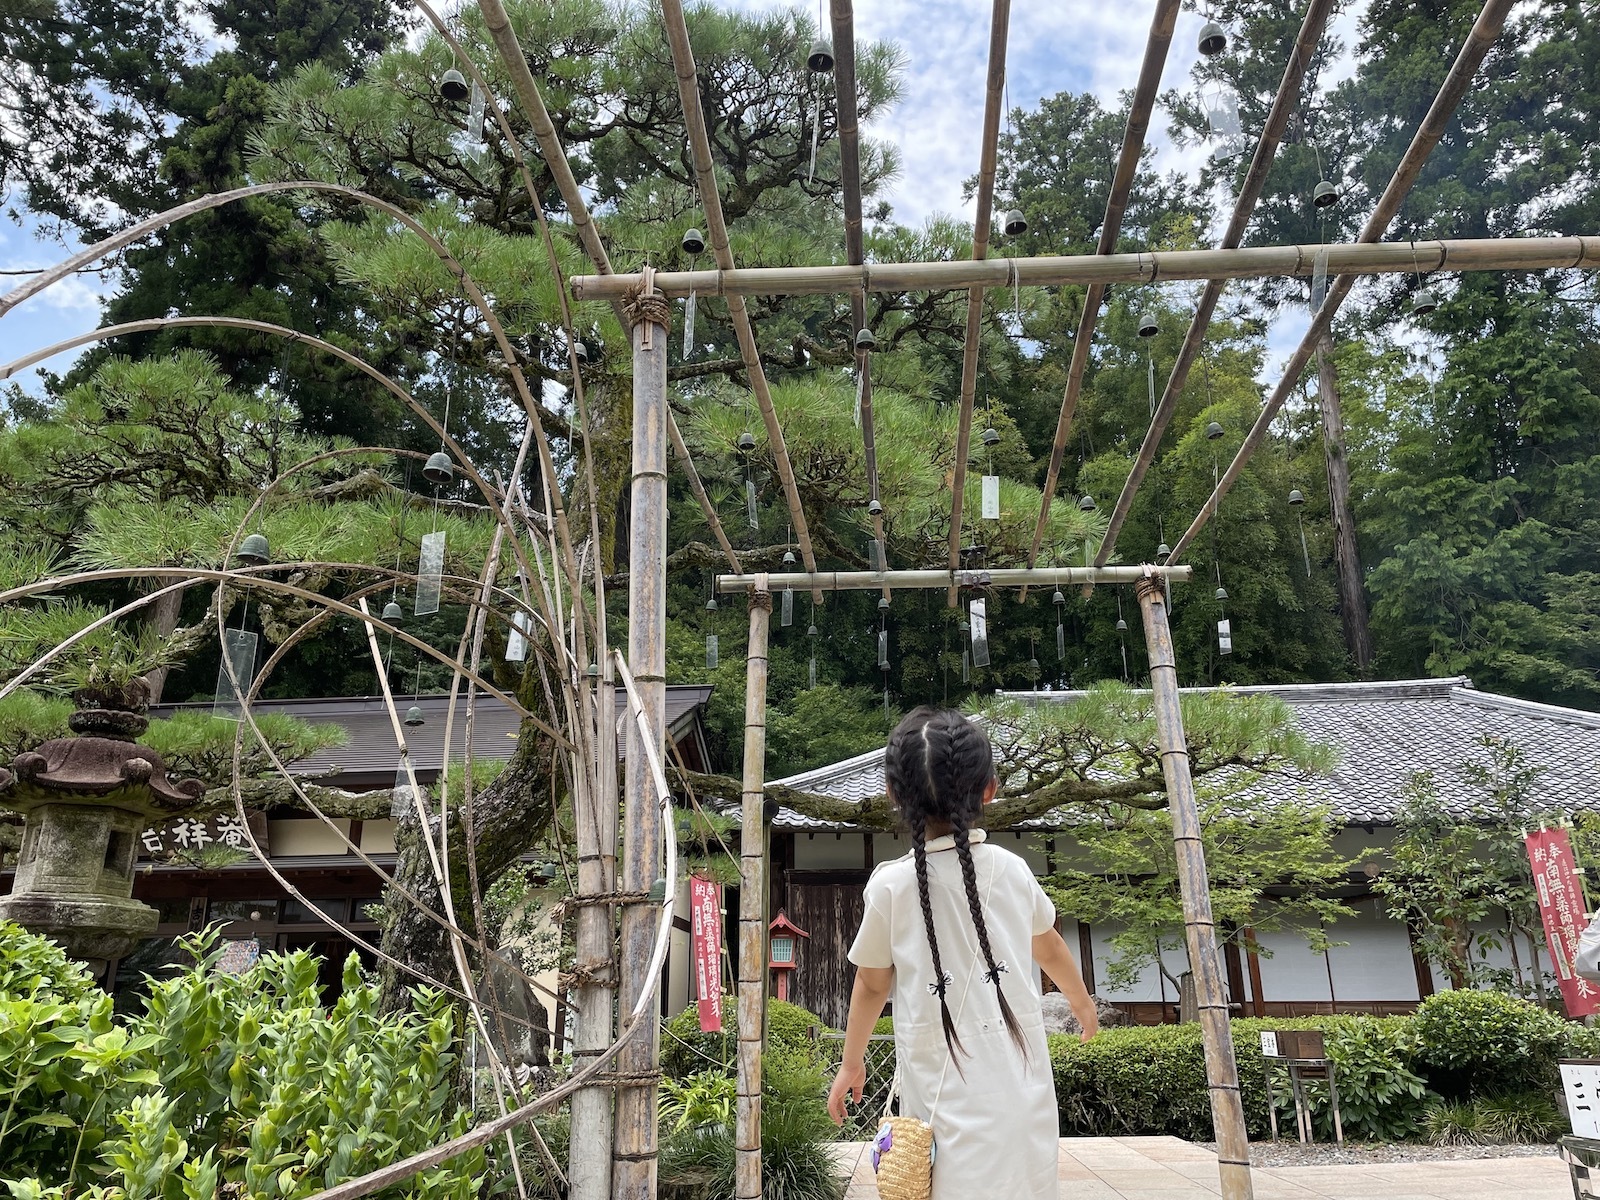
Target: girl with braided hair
[{"x": 957, "y": 931}]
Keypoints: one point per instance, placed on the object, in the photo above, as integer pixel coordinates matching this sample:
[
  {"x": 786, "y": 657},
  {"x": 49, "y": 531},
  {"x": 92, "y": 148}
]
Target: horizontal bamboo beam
[
  {"x": 938, "y": 577},
  {"x": 1252, "y": 262}
]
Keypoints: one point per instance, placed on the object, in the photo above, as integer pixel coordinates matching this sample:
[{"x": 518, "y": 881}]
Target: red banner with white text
[
  {"x": 705, "y": 916},
  {"x": 1555, "y": 876}
]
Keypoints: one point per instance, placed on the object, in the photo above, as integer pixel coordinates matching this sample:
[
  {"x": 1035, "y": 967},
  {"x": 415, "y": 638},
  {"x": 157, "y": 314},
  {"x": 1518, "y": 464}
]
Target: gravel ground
[{"x": 1320, "y": 1154}]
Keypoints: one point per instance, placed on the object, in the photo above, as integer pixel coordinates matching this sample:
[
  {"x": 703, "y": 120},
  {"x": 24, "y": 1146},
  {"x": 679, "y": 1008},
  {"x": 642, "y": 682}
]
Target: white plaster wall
[
  {"x": 377, "y": 837},
  {"x": 1376, "y": 963},
  {"x": 1293, "y": 972},
  {"x": 1147, "y": 988},
  {"x": 680, "y": 956},
  {"x": 829, "y": 852},
  {"x": 304, "y": 835}
]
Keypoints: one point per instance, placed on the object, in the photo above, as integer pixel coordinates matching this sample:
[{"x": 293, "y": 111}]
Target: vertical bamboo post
[
  {"x": 589, "y": 1159},
  {"x": 1222, "y": 1072},
  {"x": 635, "y": 1165},
  {"x": 753, "y": 901}
]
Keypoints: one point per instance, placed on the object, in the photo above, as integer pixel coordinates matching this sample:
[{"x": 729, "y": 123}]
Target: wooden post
[
  {"x": 753, "y": 902},
  {"x": 1352, "y": 589},
  {"x": 1222, "y": 1072},
  {"x": 635, "y": 1169}
]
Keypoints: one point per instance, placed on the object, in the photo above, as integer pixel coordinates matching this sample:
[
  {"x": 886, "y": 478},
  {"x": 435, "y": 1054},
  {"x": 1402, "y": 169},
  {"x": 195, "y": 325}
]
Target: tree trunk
[
  {"x": 1352, "y": 590},
  {"x": 163, "y": 617},
  {"x": 509, "y": 816}
]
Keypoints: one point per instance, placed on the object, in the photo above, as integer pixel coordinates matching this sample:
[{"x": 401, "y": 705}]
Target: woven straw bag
[{"x": 902, "y": 1155}]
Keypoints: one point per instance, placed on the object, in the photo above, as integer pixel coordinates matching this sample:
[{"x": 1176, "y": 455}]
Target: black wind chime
[
  {"x": 883, "y": 648},
  {"x": 820, "y": 63}
]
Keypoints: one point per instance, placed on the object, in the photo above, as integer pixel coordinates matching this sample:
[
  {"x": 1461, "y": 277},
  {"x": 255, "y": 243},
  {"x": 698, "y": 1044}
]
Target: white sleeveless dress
[{"x": 994, "y": 1117}]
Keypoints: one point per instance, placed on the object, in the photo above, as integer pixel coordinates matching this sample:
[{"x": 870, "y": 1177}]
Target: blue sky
[{"x": 1054, "y": 46}]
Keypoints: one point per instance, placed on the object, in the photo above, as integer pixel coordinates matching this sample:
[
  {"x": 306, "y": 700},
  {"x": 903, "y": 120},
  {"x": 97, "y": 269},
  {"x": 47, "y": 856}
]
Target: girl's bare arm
[
  {"x": 871, "y": 993},
  {"x": 1053, "y": 957}
]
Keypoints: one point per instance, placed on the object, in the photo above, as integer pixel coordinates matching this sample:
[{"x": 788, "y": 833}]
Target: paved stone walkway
[{"x": 1168, "y": 1168}]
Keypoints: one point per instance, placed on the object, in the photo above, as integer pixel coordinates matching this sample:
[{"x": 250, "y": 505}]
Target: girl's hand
[
  {"x": 1090, "y": 1027},
  {"x": 850, "y": 1080}
]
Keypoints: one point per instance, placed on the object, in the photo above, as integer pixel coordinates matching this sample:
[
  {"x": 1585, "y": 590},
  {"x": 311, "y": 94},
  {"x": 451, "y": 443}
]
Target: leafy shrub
[
  {"x": 685, "y": 1051},
  {"x": 1472, "y": 1043},
  {"x": 1521, "y": 1117},
  {"x": 796, "y": 1136},
  {"x": 245, "y": 1083},
  {"x": 1453, "y": 1123},
  {"x": 33, "y": 967},
  {"x": 1132, "y": 1082},
  {"x": 707, "y": 1098}
]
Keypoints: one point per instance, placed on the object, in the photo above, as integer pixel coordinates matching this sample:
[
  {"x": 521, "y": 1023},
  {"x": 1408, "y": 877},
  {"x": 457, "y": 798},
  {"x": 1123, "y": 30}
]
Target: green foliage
[
  {"x": 1522, "y": 1117},
  {"x": 706, "y": 1098},
  {"x": 244, "y": 1082},
  {"x": 697, "y": 1163},
  {"x": 1144, "y": 1081},
  {"x": 199, "y": 745},
  {"x": 35, "y": 968},
  {"x": 1454, "y": 1123},
  {"x": 1471, "y": 1043},
  {"x": 1462, "y": 881},
  {"x": 686, "y": 1052}
]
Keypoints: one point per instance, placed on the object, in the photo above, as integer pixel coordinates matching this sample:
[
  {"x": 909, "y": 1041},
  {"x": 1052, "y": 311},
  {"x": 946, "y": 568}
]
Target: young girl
[{"x": 954, "y": 930}]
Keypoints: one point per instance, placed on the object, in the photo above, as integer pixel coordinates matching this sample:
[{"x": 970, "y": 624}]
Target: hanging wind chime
[
  {"x": 786, "y": 606},
  {"x": 820, "y": 63},
  {"x": 811, "y": 636},
  {"x": 1122, "y": 637},
  {"x": 711, "y": 633},
  {"x": 747, "y": 446},
  {"x": 1060, "y": 601},
  {"x": 991, "y": 481},
  {"x": 694, "y": 244},
  {"x": 883, "y": 648},
  {"x": 1297, "y": 501},
  {"x": 1214, "y": 432}
]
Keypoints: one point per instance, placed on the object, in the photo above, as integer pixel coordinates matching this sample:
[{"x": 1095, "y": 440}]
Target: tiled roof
[
  {"x": 1382, "y": 732},
  {"x": 369, "y": 757}
]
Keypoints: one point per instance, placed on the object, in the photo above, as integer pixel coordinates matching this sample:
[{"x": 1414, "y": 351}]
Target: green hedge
[
  {"x": 1392, "y": 1070},
  {"x": 686, "y": 1051}
]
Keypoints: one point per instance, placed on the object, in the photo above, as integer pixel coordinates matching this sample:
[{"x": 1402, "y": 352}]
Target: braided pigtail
[
  {"x": 969, "y": 876},
  {"x": 941, "y": 984}
]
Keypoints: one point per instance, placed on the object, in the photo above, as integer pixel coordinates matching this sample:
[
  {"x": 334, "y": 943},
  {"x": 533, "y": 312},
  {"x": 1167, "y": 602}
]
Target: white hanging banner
[
  {"x": 883, "y": 647},
  {"x": 239, "y": 652},
  {"x": 517, "y": 643},
  {"x": 991, "y": 497},
  {"x": 430, "y": 573},
  {"x": 978, "y": 618},
  {"x": 861, "y": 393},
  {"x": 1224, "y": 637}
]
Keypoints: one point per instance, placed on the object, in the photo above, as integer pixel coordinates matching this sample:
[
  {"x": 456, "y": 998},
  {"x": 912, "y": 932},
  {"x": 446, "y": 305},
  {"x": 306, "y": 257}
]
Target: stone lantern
[{"x": 86, "y": 800}]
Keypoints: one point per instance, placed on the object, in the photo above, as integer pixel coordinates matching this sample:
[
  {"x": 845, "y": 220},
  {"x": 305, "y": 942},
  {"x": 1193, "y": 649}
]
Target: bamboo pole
[
  {"x": 844, "y": 84},
  {"x": 1283, "y": 106},
  {"x": 717, "y": 234},
  {"x": 999, "y": 30},
  {"x": 857, "y": 581},
  {"x": 753, "y": 900},
  {"x": 595, "y": 816},
  {"x": 634, "y": 1172},
  {"x": 1144, "y": 99},
  {"x": 1250, "y": 262},
  {"x": 1222, "y": 1072},
  {"x": 1484, "y": 32},
  {"x": 1346, "y": 552}
]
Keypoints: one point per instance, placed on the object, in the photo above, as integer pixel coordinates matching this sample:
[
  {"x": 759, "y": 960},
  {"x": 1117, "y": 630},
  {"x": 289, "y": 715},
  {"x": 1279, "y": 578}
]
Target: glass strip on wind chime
[
  {"x": 787, "y": 617},
  {"x": 430, "y": 573},
  {"x": 978, "y": 618},
  {"x": 1224, "y": 637},
  {"x": 688, "y": 327},
  {"x": 750, "y": 504},
  {"x": 238, "y": 651},
  {"x": 1319, "y": 279},
  {"x": 711, "y": 651}
]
